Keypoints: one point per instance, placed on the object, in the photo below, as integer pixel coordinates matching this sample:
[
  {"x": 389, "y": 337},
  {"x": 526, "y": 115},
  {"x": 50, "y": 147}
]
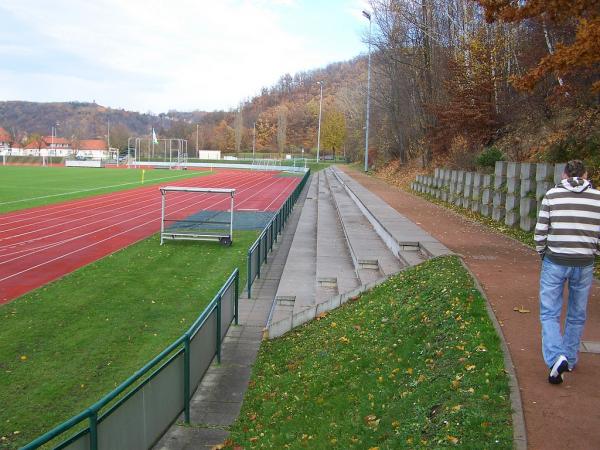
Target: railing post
[
  {"x": 219, "y": 329},
  {"x": 250, "y": 280},
  {"x": 258, "y": 258},
  {"x": 94, "y": 431},
  {"x": 186, "y": 378},
  {"x": 237, "y": 298},
  {"x": 266, "y": 246}
]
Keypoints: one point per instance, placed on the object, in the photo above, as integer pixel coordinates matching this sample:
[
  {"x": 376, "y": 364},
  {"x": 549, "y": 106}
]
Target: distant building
[
  {"x": 92, "y": 148},
  {"x": 5, "y": 140},
  {"x": 48, "y": 146}
]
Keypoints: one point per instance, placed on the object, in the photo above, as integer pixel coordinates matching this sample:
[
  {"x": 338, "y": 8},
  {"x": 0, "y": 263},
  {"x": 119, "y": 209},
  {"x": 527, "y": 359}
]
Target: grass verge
[
  {"x": 415, "y": 362},
  {"x": 64, "y": 346},
  {"x": 26, "y": 187}
]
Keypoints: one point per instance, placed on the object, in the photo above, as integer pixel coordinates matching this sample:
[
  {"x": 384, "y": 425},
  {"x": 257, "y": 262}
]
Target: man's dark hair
[{"x": 575, "y": 168}]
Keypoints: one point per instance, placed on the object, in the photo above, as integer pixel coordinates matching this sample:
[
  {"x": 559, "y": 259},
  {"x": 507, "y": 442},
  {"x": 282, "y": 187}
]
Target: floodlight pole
[
  {"x": 320, "y": 83},
  {"x": 368, "y": 16},
  {"x": 197, "y": 148}
]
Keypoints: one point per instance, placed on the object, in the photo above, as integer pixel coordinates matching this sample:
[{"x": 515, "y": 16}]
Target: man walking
[{"x": 567, "y": 236}]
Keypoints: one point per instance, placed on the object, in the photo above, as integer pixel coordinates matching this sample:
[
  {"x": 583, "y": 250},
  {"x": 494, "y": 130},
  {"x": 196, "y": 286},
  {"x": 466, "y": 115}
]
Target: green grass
[
  {"x": 26, "y": 187},
  {"x": 66, "y": 345},
  {"x": 415, "y": 362}
]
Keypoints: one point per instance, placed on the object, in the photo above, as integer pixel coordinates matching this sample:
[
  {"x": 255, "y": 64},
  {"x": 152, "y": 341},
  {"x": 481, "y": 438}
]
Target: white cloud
[{"x": 183, "y": 54}]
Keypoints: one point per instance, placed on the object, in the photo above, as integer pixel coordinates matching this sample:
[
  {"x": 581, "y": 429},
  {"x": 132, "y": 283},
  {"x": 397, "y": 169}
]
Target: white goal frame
[{"x": 225, "y": 239}]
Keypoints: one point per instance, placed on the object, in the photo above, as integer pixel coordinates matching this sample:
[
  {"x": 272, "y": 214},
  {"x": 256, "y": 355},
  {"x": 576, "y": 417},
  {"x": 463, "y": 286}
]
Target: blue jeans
[{"x": 552, "y": 281}]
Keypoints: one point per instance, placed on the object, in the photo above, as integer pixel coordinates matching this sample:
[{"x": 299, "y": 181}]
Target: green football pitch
[{"x": 26, "y": 187}]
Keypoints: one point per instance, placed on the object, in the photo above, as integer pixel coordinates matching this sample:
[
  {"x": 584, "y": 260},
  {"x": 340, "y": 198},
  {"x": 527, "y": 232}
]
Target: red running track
[{"x": 42, "y": 244}]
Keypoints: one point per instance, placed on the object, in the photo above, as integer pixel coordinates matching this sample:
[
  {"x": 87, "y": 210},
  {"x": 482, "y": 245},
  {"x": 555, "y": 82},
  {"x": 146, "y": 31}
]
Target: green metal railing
[
  {"x": 257, "y": 254},
  {"x": 157, "y": 393}
]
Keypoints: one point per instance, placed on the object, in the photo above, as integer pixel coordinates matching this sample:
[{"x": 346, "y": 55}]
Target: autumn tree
[
  {"x": 333, "y": 130},
  {"x": 239, "y": 129},
  {"x": 564, "y": 58},
  {"x": 282, "y": 113}
]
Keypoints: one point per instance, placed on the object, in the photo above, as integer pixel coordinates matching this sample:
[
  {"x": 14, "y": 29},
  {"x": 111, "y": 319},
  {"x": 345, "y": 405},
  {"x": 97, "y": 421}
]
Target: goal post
[{"x": 192, "y": 219}]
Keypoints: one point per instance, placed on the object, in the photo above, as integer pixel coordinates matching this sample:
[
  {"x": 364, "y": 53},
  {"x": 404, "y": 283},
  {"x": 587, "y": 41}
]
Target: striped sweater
[{"x": 568, "y": 225}]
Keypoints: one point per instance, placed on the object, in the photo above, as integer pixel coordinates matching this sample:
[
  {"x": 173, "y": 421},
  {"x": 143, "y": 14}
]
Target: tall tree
[{"x": 282, "y": 113}]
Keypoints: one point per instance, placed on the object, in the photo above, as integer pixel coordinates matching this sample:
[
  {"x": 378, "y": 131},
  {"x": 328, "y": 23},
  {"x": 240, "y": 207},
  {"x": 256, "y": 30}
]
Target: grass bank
[
  {"x": 64, "y": 346},
  {"x": 26, "y": 187},
  {"x": 415, "y": 362}
]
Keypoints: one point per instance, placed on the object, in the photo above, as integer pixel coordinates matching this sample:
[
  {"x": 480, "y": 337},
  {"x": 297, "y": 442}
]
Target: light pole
[
  {"x": 197, "y": 150},
  {"x": 368, "y": 16},
  {"x": 253, "y": 140},
  {"x": 320, "y": 83}
]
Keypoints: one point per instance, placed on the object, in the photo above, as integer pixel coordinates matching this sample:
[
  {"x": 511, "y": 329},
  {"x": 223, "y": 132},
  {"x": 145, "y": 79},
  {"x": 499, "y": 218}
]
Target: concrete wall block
[
  {"x": 513, "y": 203},
  {"x": 477, "y": 179},
  {"x": 498, "y": 214},
  {"x": 444, "y": 196},
  {"x": 500, "y": 169},
  {"x": 447, "y": 175},
  {"x": 438, "y": 194},
  {"x": 469, "y": 178},
  {"x": 513, "y": 170},
  {"x": 527, "y": 171},
  {"x": 528, "y": 207},
  {"x": 499, "y": 183},
  {"x": 460, "y": 188},
  {"x": 436, "y": 172},
  {"x": 468, "y": 190},
  {"x": 526, "y": 223},
  {"x": 466, "y": 202},
  {"x": 541, "y": 188},
  {"x": 454, "y": 176},
  {"x": 527, "y": 186},
  {"x": 486, "y": 210},
  {"x": 513, "y": 185},
  {"x": 512, "y": 218},
  {"x": 558, "y": 172},
  {"x": 461, "y": 176},
  {"x": 475, "y": 206},
  {"x": 486, "y": 196},
  {"x": 488, "y": 181},
  {"x": 476, "y": 194},
  {"x": 499, "y": 200},
  {"x": 544, "y": 172}
]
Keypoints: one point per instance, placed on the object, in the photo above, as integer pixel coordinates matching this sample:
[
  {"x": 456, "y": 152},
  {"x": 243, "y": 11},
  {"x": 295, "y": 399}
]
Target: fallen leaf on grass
[{"x": 452, "y": 439}]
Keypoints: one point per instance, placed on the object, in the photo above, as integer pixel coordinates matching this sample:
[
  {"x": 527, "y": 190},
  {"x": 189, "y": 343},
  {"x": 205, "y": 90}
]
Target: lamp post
[
  {"x": 197, "y": 149},
  {"x": 253, "y": 140},
  {"x": 320, "y": 83},
  {"x": 368, "y": 16}
]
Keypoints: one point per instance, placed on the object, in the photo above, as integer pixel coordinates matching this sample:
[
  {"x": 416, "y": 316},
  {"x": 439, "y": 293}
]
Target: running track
[{"x": 42, "y": 244}]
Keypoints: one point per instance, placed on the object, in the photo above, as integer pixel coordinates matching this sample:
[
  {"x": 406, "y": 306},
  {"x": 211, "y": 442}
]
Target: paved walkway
[{"x": 557, "y": 417}]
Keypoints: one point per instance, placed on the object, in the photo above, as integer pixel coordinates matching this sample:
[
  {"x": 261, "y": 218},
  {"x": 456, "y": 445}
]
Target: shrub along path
[{"x": 556, "y": 417}]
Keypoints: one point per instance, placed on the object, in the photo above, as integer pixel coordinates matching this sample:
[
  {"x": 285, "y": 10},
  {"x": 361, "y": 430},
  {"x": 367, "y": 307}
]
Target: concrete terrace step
[
  {"x": 372, "y": 258},
  {"x": 336, "y": 273},
  {"x": 297, "y": 287}
]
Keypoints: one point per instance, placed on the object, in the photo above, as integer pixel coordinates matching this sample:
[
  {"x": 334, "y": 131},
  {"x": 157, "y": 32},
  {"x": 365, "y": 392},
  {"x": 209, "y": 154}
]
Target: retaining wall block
[
  {"x": 469, "y": 178},
  {"x": 544, "y": 172},
  {"x": 436, "y": 172},
  {"x": 498, "y": 214},
  {"x": 454, "y": 176},
  {"x": 468, "y": 190},
  {"x": 488, "y": 181},
  {"x": 476, "y": 206},
  {"x": 477, "y": 180},
  {"x": 558, "y": 172},
  {"x": 444, "y": 196},
  {"x": 466, "y": 202},
  {"x": 513, "y": 170},
  {"x": 447, "y": 175},
  {"x": 476, "y": 193},
  {"x": 513, "y": 185},
  {"x": 526, "y": 223},
  {"x": 541, "y": 188},
  {"x": 438, "y": 193},
  {"x": 527, "y": 186},
  {"x": 528, "y": 207},
  {"x": 513, "y": 203},
  {"x": 512, "y": 218},
  {"x": 486, "y": 210},
  {"x": 500, "y": 169},
  {"x": 461, "y": 176},
  {"x": 527, "y": 171},
  {"x": 499, "y": 183},
  {"x": 499, "y": 200},
  {"x": 486, "y": 196}
]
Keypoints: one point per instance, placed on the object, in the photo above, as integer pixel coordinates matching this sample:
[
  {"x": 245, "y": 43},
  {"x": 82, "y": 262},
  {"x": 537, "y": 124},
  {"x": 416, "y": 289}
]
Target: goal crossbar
[{"x": 166, "y": 234}]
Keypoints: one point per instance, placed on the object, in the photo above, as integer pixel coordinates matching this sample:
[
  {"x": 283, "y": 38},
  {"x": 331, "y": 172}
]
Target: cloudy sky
[{"x": 156, "y": 55}]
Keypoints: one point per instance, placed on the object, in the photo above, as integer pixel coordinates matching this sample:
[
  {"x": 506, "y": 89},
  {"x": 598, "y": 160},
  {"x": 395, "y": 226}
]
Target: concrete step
[
  {"x": 297, "y": 287},
  {"x": 371, "y": 257},
  {"x": 336, "y": 273}
]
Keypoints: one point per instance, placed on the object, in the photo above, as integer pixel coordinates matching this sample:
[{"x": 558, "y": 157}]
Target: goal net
[{"x": 197, "y": 214}]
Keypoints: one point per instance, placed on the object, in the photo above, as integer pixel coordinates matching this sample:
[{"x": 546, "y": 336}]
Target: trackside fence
[
  {"x": 139, "y": 411},
  {"x": 257, "y": 254}
]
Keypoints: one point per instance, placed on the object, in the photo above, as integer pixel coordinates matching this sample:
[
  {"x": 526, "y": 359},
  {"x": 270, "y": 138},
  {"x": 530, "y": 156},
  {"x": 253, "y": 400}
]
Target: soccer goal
[{"x": 196, "y": 214}]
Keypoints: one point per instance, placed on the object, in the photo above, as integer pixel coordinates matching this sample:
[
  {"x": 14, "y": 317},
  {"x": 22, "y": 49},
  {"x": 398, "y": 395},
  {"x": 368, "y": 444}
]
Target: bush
[
  {"x": 488, "y": 157},
  {"x": 588, "y": 150}
]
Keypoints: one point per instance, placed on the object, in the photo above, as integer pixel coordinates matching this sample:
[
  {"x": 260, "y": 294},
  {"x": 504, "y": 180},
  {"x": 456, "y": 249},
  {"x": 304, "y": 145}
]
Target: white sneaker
[{"x": 561, "y": 365}]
